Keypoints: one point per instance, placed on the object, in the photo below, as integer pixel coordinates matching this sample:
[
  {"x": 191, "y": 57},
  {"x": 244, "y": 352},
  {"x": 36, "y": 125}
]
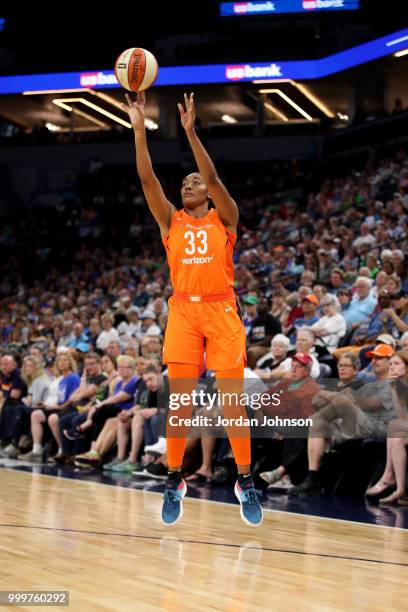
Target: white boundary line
[{"x": 211, "y": 501}]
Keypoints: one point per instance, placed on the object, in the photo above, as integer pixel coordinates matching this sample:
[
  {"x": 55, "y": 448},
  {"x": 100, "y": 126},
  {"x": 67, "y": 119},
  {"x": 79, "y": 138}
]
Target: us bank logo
[
  {"x": 312, "y": 5},
  {"x": 252, "y": 71},
  {"x": 242, "y": 8},
  {"x": 95, "y": 79}
]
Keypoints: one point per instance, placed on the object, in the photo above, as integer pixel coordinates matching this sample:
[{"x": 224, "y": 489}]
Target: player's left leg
[{"x": 231, "y": 383}]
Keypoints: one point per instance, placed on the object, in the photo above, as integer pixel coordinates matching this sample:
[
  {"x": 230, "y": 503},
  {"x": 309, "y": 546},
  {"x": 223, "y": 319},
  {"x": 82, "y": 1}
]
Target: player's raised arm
[
  {"x": 225, "y": 205},
  {"x": 159, "y": 205}
]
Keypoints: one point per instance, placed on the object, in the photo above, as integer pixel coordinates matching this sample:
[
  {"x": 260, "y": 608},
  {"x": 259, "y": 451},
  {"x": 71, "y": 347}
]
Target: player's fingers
[
  {"x": 129, "y": 101},
  {"x": 141, "y": 98},
  {"x": 180, "y": 107}
]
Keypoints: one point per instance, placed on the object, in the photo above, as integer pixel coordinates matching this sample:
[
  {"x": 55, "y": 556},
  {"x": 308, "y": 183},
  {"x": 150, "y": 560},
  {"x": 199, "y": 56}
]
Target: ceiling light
[
  {"x": 320, "y": 105},
  {"x": 289, "y": 101},
  {"x": 150, "y": 124},
  {"x": 228, "y": 119},
  {"x": 77, "y": 111},
  {"x": 52, "y": 127},
  {"x": 275, "y": 111},
  {"x": 95, "y": 107},
  {"x": 401, "y": 53}
]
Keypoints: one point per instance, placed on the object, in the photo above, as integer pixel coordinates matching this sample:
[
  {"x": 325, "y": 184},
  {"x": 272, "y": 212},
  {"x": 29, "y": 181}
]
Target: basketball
[{"x": 136, "y": 69}]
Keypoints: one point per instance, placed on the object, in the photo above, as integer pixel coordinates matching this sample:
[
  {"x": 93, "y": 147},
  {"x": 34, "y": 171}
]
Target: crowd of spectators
[{"x": 323, "y": 286}]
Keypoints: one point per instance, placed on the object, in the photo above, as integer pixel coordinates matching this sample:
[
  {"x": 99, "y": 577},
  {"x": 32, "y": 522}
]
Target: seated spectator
[
  {"x": 249, "y": 312},
  {"x": 113, "y": 348},
  {"x": 337, "y": 281},
  {"x": 331, "y": 327},
  {"x": 378, "y": 323},
  {"x": 305, "y": 341},
  {"x": 365, "y": 238},
  {"x": 296, "y": 395},
  {"x": 372, "y": 265},
  {"x": 93, "y": 332},
  {"x": 132, "y": 348},
  {"x": 394, "y": 475},
  {"x": 362, "y": 303},
  {"x": 269, "y": 363},
  {"x": 350, "y": 411},
  {"x": 380, "y": 284},
  {"x": 68, "y": 383},
  {"x": 13, "y": 390},
  {"x": 92, "y": 381},
  {"x": 122, "y": 399},
  {"x": 310, "y": 313},
  {"x": 138, "y": 422},
  {"x": 264, "y": 327},
  {"x": 108, "y": 332},
  {"x": 393, "y": 284},
  {"x": 131, "y": 327},
  {"x": 280, "y": 309},
  {"x": 398, "y": 312},
  {"x": 79, "y": 342},
  {"x": 149, "y": 326},
  {"x": 37, "y": 381},
  {"x": 295, "y": 302},
  {"x": 319, "y": 291},
  {"x": 325, "y": 265}
]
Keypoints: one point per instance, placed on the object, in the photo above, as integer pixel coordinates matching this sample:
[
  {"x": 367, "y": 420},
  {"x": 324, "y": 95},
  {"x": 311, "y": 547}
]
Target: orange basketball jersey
[{"x": 199, "y": 252}]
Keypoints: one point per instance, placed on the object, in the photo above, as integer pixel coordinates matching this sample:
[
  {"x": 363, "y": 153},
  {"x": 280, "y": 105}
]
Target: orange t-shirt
[{"x": 199, "y": 252}]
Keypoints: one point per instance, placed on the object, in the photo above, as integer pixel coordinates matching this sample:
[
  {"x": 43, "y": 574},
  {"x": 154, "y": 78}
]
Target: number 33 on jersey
[{"x": 199, "y": 253}]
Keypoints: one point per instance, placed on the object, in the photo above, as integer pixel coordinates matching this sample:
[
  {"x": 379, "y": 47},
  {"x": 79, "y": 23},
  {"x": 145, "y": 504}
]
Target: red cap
[
  {"x": 311, "y": 298},
  {"x": 304, "y": 358},
  {"x": 382, "y": 350}
]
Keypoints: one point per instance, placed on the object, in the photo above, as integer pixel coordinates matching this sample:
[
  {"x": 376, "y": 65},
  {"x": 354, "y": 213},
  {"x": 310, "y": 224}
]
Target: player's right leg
[{"x": 182, "y": 380}]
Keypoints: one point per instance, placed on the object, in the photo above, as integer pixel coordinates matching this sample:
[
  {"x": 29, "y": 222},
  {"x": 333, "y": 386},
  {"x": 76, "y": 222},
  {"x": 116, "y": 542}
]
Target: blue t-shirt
[
  {"x": 67, "y": 386},
  {"x": 130, "y": 388}
]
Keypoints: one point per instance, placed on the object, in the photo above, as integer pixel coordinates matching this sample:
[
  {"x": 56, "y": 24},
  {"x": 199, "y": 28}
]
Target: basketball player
[{"x": 203, "y": 313}]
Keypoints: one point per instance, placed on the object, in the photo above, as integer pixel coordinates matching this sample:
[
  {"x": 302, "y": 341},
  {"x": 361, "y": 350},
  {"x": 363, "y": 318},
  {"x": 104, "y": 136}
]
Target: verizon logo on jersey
[{"x": 197, "y": 260}]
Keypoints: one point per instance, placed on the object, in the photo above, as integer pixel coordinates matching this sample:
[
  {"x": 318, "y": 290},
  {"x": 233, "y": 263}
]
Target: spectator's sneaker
[
  {"x": 60, "y": 459},
  {"x": 157, "y": 470},
  {"x": 305, "y": 489},
  {"x": 90, "y": 458},
  {"x": 271, "y": 477},
  {"x": 74, "y": 433},
  {"x": 108, "y": 466},
  {"x": 11, "y": 451},
  {"x": 31, "y": 457},
  {"x": 159, "y": 448},
  {"x": 248, "y": 497},
  {"x": 125, "y": 467},
  {"x": 172, "y": 510}
]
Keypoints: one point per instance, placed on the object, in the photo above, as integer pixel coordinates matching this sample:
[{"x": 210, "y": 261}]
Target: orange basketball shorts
[{"x": 214, "y": 328}]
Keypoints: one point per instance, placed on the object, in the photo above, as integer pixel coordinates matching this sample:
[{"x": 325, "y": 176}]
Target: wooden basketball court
[{"x": 107, "y": 547}]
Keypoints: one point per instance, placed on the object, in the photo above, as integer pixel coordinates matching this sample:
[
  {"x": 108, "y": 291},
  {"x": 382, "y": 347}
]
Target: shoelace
[
  {"x": 251, "y": 496},
  {"x": 171, "y": 497}
]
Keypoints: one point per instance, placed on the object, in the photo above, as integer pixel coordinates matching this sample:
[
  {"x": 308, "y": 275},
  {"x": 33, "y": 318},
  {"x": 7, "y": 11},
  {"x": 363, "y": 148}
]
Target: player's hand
[
  {"x": 135, "y": 110},
  {"x": 187, "y": 115}
]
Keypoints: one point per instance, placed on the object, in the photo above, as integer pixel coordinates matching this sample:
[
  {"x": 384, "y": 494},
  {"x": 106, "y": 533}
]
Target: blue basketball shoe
[
  {"x": 248, "y": 497},
  {"x": 172, "y": 510}
]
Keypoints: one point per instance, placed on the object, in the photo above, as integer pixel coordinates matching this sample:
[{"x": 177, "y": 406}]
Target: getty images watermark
[{"x": 205, "y": 410}]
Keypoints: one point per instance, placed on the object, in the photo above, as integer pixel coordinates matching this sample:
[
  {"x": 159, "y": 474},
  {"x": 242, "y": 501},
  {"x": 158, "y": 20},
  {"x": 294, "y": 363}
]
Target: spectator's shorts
[{"x": 211, "y": 327}]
